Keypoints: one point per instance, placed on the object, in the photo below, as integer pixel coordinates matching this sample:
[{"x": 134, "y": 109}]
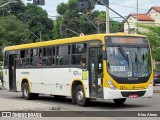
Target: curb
[
  {"x": 46, "y": 108},
  {"x": 156, "y": 91}
]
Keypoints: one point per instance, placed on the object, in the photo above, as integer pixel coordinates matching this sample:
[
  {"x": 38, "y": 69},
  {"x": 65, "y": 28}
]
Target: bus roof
[{"x": 67, "y": 40}]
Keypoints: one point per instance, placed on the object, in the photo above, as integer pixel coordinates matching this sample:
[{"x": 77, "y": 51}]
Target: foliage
[
  {"x": 12, "y": 8},
  {"x": 115, "y": 26},
  {"x": 71, "y": 19},
  {"x": 38, "y": 20},
  {"x": 34, "y": 16},
  {"x": 61, "y": 8},
  {"x": 13, "y": 31},
  {"x": 153, "y": 34}
]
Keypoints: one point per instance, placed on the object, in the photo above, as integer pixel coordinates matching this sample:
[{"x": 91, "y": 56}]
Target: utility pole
[
  {"x": 116, "y": 13},
  {"x": 106, "y": 2},
  {"x": 107, "y": 20},
  {"x": 137, "y": 15}
]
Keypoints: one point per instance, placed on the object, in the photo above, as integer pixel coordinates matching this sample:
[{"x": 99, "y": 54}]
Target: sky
[{"x": 123, "y": 7}]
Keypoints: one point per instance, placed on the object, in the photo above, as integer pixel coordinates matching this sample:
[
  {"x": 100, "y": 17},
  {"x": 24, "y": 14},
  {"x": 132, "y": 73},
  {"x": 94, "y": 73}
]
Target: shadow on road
[{"x": 99, "y": 104}]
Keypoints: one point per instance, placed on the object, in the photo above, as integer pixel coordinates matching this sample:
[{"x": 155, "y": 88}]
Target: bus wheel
[
  {"x": 119, "y": 101},
  {"x": 25, "y": 92},
  {"x": 80, "y": 97}
]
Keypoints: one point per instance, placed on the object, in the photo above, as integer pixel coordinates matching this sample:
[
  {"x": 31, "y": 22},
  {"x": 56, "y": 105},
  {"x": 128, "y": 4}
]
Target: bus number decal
[
  {"x": 117, "y": 68},
  {"x": 25, "y": 73},
  {"x": 76, "y": 73}
]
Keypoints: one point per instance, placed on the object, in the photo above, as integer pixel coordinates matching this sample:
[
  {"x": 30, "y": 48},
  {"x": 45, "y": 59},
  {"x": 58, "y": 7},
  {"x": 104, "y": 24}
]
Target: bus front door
[
  {"x": 95, "y": 72},
  {"x": 12, "y": 72}
]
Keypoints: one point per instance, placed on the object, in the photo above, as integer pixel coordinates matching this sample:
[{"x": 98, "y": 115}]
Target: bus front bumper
[{"x": 116, "y": 94}]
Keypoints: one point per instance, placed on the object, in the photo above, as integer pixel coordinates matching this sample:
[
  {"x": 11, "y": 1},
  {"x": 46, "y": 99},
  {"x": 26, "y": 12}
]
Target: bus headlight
[
  {"x": 110, "y": 83},
  {"x": 150, "y": 84}
]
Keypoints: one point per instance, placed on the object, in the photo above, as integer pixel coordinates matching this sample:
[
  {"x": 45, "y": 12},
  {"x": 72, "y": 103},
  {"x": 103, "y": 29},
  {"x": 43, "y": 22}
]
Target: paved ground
[
  {"x": 24, "y": 105},
  {"x": 157, "y": 88},
  {"x": 11, "y": 101}
]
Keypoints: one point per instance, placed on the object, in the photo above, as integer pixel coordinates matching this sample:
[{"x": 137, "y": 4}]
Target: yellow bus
[{"x": 100, "y": 66}]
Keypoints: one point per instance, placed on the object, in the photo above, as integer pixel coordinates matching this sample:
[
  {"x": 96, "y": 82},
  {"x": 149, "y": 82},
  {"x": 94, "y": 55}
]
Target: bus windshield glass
[{"x": 128, "y": 60}]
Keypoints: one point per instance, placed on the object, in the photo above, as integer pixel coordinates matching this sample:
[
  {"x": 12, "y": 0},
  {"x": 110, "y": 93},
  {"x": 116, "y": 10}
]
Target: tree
[
  {"x": 115, "y": 26},
  {"x": 61, "y": 8},
  {"x": 34, "y": 16},
  {"x": 69, "y": 18},
  {"x": 13, "y": 31},
  {"x": 38, "y": 20},
  {"x": 12, "y": 8},
  {"x": 153, "y": 34}
]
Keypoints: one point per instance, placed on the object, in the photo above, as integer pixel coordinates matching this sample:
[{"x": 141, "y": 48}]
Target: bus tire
[
  {"x": 26, "y": 92},
  {"x": 119, "y": 101},
  {"x": 80, "y": 97}
]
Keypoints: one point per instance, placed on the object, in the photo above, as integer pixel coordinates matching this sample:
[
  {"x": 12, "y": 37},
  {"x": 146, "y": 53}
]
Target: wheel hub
[
  {"x": 26, "y": 92},
  {"x": 80, "y": 95}
]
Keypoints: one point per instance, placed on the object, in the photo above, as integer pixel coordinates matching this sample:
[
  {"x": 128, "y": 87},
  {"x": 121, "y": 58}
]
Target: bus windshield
[{"x": 128, "y": 61}]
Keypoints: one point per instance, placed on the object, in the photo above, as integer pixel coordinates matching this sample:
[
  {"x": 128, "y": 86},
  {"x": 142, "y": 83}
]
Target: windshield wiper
[{"x": 125, "y": 56}]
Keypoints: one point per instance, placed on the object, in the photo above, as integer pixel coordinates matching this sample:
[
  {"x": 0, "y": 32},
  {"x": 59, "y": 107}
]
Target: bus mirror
[{"x": 104, "y": 55}]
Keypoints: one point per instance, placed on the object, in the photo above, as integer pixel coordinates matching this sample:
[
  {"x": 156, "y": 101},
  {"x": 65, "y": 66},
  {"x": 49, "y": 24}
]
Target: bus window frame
[{"x": 87, "y": 42}]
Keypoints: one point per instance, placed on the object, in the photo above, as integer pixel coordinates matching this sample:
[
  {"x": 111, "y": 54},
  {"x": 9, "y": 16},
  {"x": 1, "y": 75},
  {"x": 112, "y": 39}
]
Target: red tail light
[{"x": 155, "y": 75}]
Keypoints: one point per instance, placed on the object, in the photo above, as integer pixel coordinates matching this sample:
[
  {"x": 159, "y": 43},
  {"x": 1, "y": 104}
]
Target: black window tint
[
  {"x": 34, "y": 57},
  {"x": 78, "y": 54},
  {"x": 47, "y": 51},
  {"x": 6, "y": 60},
  {"x": 27, "y": 57},
  {"x": 22, "y": 60},
  {"x": 53, "y": 56},
  {"x": 22, "y": 53},
  {"x": 49, "y": 56},
  {"x": 63, "y": 55},
  {"x": 79, "y": 48},
  {"x": 76, "y": 59}
]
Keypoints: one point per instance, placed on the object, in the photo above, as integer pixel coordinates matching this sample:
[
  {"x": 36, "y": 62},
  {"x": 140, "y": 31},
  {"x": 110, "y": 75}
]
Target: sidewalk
[
  {"x": 24, "y": 105},
  {"x": 156, "y": 89}
]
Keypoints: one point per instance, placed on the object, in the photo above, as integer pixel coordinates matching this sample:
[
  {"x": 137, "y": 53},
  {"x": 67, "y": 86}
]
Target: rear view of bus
[{"x": 128, "y": 67}]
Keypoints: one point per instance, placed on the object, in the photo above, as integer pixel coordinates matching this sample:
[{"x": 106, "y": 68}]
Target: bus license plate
[{"x": 133, "y": 96}]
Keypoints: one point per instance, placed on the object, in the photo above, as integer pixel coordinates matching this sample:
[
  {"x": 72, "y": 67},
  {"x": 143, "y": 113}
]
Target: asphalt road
[{"x": 138, "y": 104}]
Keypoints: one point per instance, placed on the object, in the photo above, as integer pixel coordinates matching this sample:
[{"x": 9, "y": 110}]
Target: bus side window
[
  {"x": 40, "y": 62},
  {"x": 63, "y": 55},
  {"x": 31, "y": 56},
  {"x": 47, "y": 56},
  {"x": 34, "y": 57},
  {"x": 6, "y": 60},
  {"x": 27, "y": 57},
  {"x": 22, "y": 58},
  {"x": 53, "y": 56},
  {"x": 79, "y": 54}
]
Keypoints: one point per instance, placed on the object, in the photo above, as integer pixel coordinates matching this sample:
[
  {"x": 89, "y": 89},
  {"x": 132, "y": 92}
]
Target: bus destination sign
[{"x": 127, "y": 40}]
